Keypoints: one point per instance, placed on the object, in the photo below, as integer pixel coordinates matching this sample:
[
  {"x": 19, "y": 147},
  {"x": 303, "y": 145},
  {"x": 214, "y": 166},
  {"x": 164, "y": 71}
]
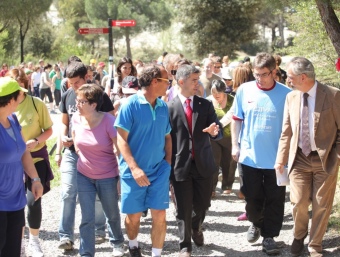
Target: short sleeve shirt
[
  {"x": 262, "y": 114},
  {"x": 147, "y": 129}
]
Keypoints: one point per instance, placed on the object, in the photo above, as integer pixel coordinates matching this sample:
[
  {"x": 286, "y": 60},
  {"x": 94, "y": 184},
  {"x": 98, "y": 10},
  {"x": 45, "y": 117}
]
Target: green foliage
[
  {"x": 312, "y": 41},
  {"x": 217, "y": 26},
  {"x": 40, "y": 40}
]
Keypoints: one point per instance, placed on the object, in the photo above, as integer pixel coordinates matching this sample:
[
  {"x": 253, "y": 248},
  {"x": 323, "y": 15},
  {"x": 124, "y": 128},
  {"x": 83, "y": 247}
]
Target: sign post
[{"x": 111, "y": 23}]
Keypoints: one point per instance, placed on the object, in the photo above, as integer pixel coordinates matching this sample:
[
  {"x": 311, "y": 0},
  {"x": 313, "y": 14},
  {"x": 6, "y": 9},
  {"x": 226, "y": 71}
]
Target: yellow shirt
[{"x": 33, "y": 121}]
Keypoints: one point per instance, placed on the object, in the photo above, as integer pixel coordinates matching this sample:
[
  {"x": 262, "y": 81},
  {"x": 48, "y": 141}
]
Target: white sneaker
[
  {"x": 23, "y": 249},
  {"x": 118, "y": 251},
  {"x": 34, "y": 247}
]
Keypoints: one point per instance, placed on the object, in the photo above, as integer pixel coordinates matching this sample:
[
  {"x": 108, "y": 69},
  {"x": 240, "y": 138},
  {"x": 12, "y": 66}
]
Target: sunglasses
[{"x": 173, "y": 72}]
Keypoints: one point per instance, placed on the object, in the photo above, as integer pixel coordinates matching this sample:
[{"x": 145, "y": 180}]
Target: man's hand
[
  {"x": 67, "y": 141},
  {"x": 279, "y": 167},
  {"x": 235, "y": 153},
  {"x": 140, "y": 177},
  {"x": 37, "y": 189},
  {"x": 212, "y": 129}
]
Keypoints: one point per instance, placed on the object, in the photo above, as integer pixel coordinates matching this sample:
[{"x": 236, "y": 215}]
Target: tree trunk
[
  {"x": 331, "y": 22},
  {"x": 128, "y": 47},
  {"x": 281, "y": 43}
]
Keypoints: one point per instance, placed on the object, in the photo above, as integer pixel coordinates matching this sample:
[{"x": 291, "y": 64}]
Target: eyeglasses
[
  {"x": 81, "y": 102},
  {"x": 228, "y": 80},
  {"x": 263, "y": 75},
  {"x": 164, "y": 79},
  {"x": 217, "y": 67},
  {"x": 173, "y": 72}
]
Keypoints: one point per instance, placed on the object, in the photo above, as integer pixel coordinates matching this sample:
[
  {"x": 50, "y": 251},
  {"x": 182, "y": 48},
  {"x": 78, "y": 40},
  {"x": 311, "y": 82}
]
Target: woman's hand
[
  {"x": 31, "y": 144},
  {"x": 37, "y": 189}
]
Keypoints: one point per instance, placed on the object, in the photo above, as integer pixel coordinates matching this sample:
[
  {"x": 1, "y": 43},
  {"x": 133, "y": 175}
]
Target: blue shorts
[{"x": 136, "y": 199}]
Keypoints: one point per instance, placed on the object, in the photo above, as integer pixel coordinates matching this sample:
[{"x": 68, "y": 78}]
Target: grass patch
[{"x": 56, "y": 181}]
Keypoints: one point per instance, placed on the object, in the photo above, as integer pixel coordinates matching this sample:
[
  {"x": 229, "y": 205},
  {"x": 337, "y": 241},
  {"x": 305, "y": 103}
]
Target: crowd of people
[{"x": 169, "y": 130}]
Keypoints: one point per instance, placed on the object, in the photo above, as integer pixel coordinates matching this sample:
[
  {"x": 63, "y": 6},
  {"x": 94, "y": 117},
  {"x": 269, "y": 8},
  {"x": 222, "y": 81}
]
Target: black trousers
[
  {"x": 34, "y": 213},
  {"x": 222, "y": 155},
  {"x": 11, "y": 223},
  {"x": 193, "y": 200},
  {"x": 264, "y": 200}
]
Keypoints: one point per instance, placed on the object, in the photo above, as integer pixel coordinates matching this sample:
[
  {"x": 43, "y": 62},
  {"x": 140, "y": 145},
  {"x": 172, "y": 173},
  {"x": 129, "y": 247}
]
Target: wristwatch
[{"x": 35, "y": 179}]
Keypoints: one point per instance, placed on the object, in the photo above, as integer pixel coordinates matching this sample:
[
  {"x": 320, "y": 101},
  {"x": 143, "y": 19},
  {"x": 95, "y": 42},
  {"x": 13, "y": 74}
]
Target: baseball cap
[
  {"x": 226, "y": 73},
  {"x": 130, "y": 85},
  {"x": 101, "y": 64},
  {"x": 93, "y": 61},
  {"x": 9, "y": 86}
]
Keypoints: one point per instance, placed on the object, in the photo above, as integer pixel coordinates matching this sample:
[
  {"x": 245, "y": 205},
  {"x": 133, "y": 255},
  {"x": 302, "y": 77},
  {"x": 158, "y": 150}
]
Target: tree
[
  {"x": 219, "y": 26},
  {"x": 330, "y": 21},
  {"x": 312, "y": 40},
  {"x": 22, "y": 14},
  {"x": 149, "y": 15}
]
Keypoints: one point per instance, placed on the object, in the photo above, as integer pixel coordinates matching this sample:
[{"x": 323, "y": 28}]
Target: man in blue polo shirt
[{"x": 145, "y": 144}]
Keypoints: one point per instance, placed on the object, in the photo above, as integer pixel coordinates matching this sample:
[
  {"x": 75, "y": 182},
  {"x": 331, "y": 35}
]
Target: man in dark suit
[
  {"x": 310, "y": 144},
  {"x": 194, "y": 123}
]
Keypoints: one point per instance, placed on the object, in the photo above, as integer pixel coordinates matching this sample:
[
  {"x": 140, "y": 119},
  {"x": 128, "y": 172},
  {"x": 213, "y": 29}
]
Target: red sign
[
  {"x": 337, "y": 64},
  {"x": 93, "y": 31},
  {"x": 123, "y": 23}
]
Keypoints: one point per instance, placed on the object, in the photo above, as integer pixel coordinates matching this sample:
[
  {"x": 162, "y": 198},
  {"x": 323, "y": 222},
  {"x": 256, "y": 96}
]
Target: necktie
[
  {"x": 306, "y": 148},
  {"x": 188, "y": 116}
]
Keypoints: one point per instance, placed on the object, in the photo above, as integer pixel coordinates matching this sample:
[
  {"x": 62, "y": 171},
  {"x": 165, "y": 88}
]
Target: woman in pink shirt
[{"x": 94, "y": 138}]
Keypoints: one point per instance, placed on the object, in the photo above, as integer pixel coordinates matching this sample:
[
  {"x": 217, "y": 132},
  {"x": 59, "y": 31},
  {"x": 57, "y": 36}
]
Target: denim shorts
[{"x": 136, "y": 199}]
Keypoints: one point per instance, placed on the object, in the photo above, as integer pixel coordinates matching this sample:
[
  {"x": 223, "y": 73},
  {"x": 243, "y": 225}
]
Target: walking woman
[
  {"x": 222, "y": 102},
  {"x": 94, "y": 136},
  {"x": 15, "y": 158},
  {"x": 36, "y": 126}
]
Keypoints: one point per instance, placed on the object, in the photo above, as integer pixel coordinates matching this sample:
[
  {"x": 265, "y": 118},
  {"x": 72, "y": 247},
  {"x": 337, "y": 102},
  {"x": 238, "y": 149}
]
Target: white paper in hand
[{"x": 282, "y": 179}]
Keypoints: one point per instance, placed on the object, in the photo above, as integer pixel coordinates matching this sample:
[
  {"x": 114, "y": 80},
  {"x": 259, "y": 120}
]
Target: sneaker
[
  {"x": 118, "y": 251},
  {"x": 269, "y": 246},
  {"x": 99, "y": 239},
  {"x": 66, "y": 244},
  {"x": 23, "y": 249},
  {"x": 34, "y": 247},
  {"x": 253, "y": 234},
  {"x": 242, "y": 217},
  {"x": 135, "y": 252}
]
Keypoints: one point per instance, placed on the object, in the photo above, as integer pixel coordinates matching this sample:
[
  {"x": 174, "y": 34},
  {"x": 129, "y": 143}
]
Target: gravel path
[{"x": 224, "y": 235}]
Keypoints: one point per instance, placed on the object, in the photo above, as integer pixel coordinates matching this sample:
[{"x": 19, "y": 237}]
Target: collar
[
  {"x": 312, "y": 91},
  {"x": 142, "y": 100},
  {"x": 183, "y": 98}
]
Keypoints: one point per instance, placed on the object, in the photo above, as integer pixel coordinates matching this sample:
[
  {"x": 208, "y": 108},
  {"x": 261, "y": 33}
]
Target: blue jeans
[
  {"x": 68, "y": 169},
  {"x": 107, "y": 192}
]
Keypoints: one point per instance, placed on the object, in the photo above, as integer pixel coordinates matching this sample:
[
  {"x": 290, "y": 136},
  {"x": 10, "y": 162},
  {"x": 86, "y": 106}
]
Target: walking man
[
  {"x": 310, "y": 144},
  {"x": 194, "y": 123},
  {"x": 256, "y": 129},
  {"x": 145, "y": 145}
]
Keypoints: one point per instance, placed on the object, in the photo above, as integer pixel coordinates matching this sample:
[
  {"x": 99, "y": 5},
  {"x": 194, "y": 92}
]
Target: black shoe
[
  {"x": 197, "y": 237},
  {"x": 253, "y": 234},
  {"x": 269, "y": 246},
  {"x": 135, "y": 252}
]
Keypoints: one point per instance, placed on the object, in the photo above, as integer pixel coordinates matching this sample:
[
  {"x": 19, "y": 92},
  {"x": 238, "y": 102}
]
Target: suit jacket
[
  {"x": 326, "y": 127},
  {"x": 203, "y": 115}
]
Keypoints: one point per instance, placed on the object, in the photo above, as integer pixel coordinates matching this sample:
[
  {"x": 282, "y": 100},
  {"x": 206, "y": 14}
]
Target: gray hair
[
  {"x": 301, "y": 65},
  {"x": 264, "y": 60},
  {"x": 184, "y": 71}
]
